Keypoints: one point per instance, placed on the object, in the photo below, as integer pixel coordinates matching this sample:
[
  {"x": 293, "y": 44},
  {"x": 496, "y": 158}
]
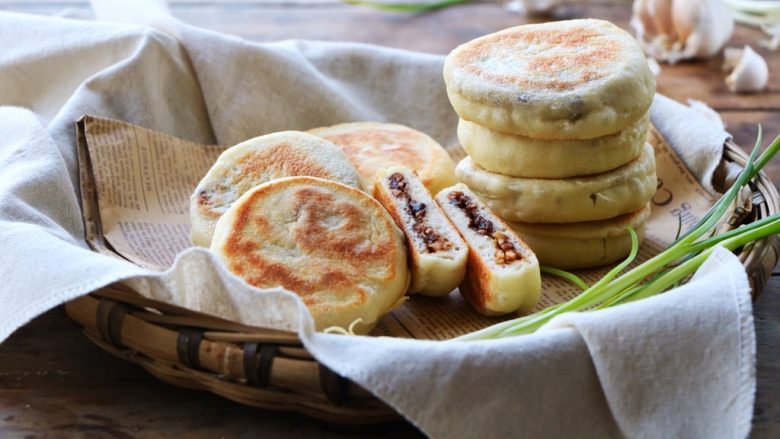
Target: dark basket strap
[
  {"x": 335, "y": 386},
  {"x": 188, "y": 342},
  {"x": 257, "y": 368},
  {"x": 109, "y": 319}
]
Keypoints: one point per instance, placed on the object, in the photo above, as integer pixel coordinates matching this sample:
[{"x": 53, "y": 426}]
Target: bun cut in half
[
  {"x": 437, "y": 252},
  {"x": 503, "y": 273},
  {"x": 256, "y": 161},
  {"x": 332, "y": 244}
]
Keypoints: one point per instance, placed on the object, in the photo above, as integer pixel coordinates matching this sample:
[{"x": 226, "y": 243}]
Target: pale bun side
[
  {"x": 583, "y": 245},
  {"x": 519, "y": 156},
  {"x": 574, "y": 199}
]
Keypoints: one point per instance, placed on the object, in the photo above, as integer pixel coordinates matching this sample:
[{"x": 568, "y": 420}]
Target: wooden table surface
[{"x": 54, "y": 383}]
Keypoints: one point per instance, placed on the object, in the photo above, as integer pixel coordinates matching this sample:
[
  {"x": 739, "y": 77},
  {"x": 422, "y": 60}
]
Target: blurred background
[{"x": 441, "y": 29}]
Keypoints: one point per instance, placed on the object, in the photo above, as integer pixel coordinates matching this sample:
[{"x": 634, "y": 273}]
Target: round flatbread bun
[
  {"x": 520, "y": 156},
  {"x": 567, "y": 200},
  {"x": 333, "y": 245},
  {"x": 256, "y": 161},
  {"x": 583, "y": 245},
  {"x": 372, "y": 146},
  {"x": 574, "y": 79}
]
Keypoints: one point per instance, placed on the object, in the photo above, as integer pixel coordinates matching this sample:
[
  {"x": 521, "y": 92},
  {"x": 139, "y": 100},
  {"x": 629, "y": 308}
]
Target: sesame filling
[
  {"x": 506, "y": 252},
  {"x": 433, "y": 241}
]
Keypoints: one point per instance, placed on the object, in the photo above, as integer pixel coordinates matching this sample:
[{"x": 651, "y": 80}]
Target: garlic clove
[
  {"x": 672, "y": 30},
  {"x": 661, "y": 13},
  {"x": 642, "y": 19},
  {"x": 749, "y": 71},
  {"x": 687, "y": 16}
]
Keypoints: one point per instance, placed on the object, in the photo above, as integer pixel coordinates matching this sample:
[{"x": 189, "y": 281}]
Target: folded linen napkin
[{"x": 678, "y": 365}]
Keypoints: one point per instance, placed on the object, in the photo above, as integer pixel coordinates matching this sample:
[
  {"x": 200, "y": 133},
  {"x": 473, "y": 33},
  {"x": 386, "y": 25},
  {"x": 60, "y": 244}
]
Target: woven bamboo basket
[{"x": 271, "y": 369}]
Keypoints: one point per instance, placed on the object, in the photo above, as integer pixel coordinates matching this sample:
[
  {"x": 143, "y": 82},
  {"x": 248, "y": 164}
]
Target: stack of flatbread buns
[{"x": 554, "y": 118}]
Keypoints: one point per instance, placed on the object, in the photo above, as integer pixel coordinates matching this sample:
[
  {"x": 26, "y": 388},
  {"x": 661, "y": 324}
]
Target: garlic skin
[
  {"x": 673, "y": 30},
  {"x": 749, "y": 71}
]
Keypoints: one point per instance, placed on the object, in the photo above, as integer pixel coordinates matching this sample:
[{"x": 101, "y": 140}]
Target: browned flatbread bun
[
  {"x": 570, "y": 79},
  {"x": 503, "y": 274},
  {"x": 255, "y": 161},
  {"x": 333, "y": 245},
  {"x": 437, "y": 252},
  {"x": 372, "y": 146},
  {"x": 585, "y": 244}
]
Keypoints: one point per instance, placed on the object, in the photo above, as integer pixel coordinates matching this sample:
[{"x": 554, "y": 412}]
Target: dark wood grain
[
  {"x": 55, "y": 383},
  {"x": 743, "y": 125},
  {"x": 766, "y": 311}
]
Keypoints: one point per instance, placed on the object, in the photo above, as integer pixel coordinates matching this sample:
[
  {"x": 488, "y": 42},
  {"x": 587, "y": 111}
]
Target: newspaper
[{"x": 136, "y": 185}]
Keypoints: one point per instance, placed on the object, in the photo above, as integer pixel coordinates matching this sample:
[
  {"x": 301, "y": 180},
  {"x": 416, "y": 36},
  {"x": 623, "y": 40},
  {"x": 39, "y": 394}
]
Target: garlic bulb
[
  {"x": 672, "y": 30},
  {"x": 749, "y": 72}
]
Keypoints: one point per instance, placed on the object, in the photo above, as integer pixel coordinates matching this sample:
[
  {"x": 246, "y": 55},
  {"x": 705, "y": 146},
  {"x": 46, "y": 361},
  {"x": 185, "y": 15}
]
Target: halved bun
[
  {"x": 438, "y": 253},
  {"x": 503, "y": 273},
  {"x": 256, "y": 161},
  {"x": 575, "y": 199},
  {"x": 331, "y": 244},
  {"x": 586, "y": 244}
]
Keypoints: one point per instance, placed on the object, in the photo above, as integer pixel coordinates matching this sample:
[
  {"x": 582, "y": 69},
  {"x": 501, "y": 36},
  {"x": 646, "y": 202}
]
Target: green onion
[
  {"x": 661, "y": 272},
  {"x": 404, "y": 6},
  {"x": 764, "y": 14},
  {"x": 571, "y": 277}
]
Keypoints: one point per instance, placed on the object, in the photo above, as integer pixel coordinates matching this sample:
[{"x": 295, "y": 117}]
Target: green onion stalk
[
  {"x": 660, "y": 273},
  {"x": 406, "y": 6}
]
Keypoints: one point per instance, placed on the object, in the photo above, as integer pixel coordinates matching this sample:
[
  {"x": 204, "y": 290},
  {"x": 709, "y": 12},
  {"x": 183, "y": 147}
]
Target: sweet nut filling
[
  {"x": 506, "y": 252},
  {"x": 434, "y": 242}
]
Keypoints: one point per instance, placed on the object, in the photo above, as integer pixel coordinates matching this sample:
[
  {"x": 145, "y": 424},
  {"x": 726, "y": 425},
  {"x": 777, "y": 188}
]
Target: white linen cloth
[{"x": 677, "y": 365}]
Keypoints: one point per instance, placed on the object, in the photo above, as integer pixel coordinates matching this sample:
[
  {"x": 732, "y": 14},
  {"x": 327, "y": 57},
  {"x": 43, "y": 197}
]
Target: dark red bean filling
[
  {"x": 506, "y": 252},
  {"x": 433, "y": 241}
]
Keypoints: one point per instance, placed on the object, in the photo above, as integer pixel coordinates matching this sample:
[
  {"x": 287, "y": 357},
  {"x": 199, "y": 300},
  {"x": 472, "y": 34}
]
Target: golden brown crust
[
  {"x": 475, "y": 287},
  {"x": 283, "y": 159},
  {"x": 372, "y": 146},
  {"x": 582, "y": 55},
  {"x": 331, "y": 244},
  {"x": 571, "y": 79},
  {"x": 257, "y": 161}
]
